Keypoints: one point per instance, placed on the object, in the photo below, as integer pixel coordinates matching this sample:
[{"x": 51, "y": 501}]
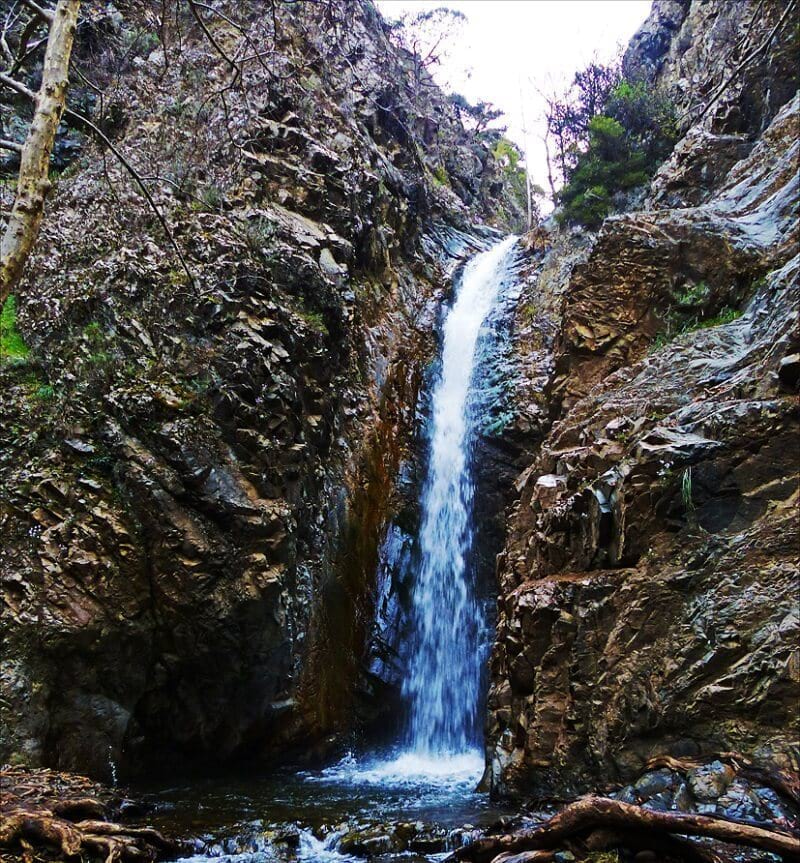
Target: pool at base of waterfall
[{"x": 402, "y": 806}]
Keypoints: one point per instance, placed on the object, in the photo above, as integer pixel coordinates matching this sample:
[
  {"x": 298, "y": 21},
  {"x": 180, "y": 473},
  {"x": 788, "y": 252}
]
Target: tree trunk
[
  {"x": 594, "y": 812},
  {"x": 34, "y": 184}
]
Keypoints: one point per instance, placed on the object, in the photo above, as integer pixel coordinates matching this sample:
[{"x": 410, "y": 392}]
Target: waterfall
[{"x": 443, "y": 683}]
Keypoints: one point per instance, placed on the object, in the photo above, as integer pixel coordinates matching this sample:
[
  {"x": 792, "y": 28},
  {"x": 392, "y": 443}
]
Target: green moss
[
  {"x": 693, "y": 295},
  {"x": 602, "y": 857},
  {"x": 314, "y": 320},
  {"x": 724, "y": 317},
  {"x": 441, "y": 176},
  {"x": 44, "y": 393},
  {"x": 12, "y": 346}
]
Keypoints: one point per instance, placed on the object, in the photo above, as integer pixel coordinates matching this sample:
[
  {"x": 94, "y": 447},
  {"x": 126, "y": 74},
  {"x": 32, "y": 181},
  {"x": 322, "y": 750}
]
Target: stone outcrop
[
  {"x": 196, "y": 468},
  {"x": 648, "y": 587}
]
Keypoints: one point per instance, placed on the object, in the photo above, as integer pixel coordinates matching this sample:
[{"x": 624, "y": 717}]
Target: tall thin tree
[{"x": 34, "y": 184}]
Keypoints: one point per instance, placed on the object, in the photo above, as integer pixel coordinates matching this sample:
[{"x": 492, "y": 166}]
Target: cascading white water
[
  {"x": 443, "y": 684},
  {"x": 440, "y": 754}
]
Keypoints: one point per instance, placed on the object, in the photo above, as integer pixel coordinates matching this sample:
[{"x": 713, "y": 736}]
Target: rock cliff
[
  {"x": 648, "y": 587},
  {"x": 197, "y": 463}
]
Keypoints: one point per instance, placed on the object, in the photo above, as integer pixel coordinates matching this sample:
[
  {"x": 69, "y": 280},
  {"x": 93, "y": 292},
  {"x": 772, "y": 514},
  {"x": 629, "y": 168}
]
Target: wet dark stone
[
  {"x": 654, "y": 783},
  {"x": 709, "y": 781}
]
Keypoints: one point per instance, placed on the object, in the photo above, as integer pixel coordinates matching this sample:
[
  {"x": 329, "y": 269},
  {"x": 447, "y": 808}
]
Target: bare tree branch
[
  {"x": 46, "y": 14},
  {"x": 790, "y": 8}
]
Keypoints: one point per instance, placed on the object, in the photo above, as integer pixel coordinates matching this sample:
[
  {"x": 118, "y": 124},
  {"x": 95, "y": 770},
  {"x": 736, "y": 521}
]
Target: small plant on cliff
[
  {"x": 12, "y": 345},
  {"x": 686, "y": 490}
]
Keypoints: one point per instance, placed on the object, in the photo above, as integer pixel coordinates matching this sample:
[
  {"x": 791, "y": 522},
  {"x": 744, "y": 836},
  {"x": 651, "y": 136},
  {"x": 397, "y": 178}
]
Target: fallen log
[{"x": 591, "y": 813}]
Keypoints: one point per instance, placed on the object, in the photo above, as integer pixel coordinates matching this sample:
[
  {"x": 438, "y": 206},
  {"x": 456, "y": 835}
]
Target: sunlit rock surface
[{"x": 648, "y": 588}]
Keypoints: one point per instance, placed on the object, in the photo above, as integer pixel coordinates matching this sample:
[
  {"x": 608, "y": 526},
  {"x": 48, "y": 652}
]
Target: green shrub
[
  {"x": 724, "y": 317},
  {"x": 314, "y": 320},
  {"x": 508, "y": 157},
  {"x": 611, "y": 135},
  {"x": 12, "y": 345},
  {"x": 441, "y": 176},
  {"x": 677, "y": 326}
]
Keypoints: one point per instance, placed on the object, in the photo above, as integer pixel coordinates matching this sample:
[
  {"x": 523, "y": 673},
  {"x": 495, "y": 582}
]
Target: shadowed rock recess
[
  {"x": 195, "y": 476},
  {"x": 648, "y": 587}
]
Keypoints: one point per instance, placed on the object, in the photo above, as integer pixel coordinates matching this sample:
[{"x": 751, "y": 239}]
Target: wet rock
[
  {"x": 789, "y": 370},
  {"x": 172, "y": 549},
  {"x": 623, "y": 630},
  {"x": 651, "y": 784},
  {"x": 548, "y": 488},
  {"x": 710, "y": 781}
]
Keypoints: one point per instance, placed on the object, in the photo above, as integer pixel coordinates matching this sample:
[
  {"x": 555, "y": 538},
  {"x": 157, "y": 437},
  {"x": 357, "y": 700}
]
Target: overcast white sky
[{"x": 509, "y": 48}]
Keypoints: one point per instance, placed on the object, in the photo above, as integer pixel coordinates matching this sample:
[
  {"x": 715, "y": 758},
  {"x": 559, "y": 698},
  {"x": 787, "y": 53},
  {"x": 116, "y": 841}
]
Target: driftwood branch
[
  {"x": 592, "y": 813},
  {"x": 114, "y": 842},
  {"x": 45, "y": 811}
]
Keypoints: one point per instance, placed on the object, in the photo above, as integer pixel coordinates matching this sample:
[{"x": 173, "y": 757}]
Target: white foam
[{"x": 454, "y": 772}]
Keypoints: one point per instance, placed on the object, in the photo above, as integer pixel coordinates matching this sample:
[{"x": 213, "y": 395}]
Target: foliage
[
  {"x": 12, "y": 345},
  {"x": 476, "y": 117},
  {"x": 508, "y": 157},
  {"x": 440, "y": 175},
  {"x": 314, "y": 320},
  {"x": 724, "y": 317},
  {"x": 678, "y": 327},
  {"x": 427, "y": 35},
  {"x": 693, "y": 295},
  {"x": 610, "y": 135}
]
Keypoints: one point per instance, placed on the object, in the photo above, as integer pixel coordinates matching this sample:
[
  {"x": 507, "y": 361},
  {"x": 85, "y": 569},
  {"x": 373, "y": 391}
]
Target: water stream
[
  {"x": 418, "y": 797},
  {"x": 445, "y": 671}
]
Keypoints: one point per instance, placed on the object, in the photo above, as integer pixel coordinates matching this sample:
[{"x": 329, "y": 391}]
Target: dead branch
[
  {"x": 45, "y": 14},
  {"x": 140, "y": 183},
  {"x": 98, "y": 133},
  {"x": 10, "y": 145},
  {"x": 215, "y": 44},
  {"x": 597, "y": 812},
  {"x": 790, "y": 8}
]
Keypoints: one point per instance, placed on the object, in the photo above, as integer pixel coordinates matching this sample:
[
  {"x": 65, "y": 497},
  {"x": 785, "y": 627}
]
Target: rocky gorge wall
[
  {"x": 196, "y": 469},
  {"x": 649, "y": 583}
]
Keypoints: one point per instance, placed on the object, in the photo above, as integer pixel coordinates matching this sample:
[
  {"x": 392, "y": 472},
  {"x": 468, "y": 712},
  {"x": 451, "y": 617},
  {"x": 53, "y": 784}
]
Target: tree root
[
  {"x": 115, "y": 843},
  {"x": 64, "y": 813},
  {"x": 626, "y": 824}
]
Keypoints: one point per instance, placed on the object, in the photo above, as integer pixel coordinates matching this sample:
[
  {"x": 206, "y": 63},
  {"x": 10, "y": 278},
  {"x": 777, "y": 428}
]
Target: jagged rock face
[
  {"x": 649, "y": 582},
  {"x": 195, "y": 473}
]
